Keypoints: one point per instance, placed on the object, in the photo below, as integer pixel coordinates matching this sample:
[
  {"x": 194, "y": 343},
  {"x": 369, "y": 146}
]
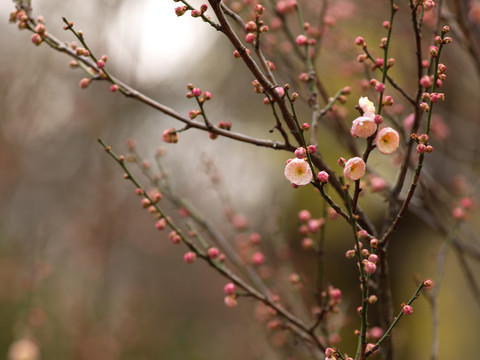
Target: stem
[{"x": 395, "y": 321}]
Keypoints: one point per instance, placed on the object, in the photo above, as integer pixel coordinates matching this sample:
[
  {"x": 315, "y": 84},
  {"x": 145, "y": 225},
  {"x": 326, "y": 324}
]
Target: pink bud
[
  {"x": 301, "y": 40},
  {"x": 380, "y": 87},
  {"x": 196, "y": 92},
  {"x": 40, "y": 29},
  {"x": 161, "y": 224},
  {"x": 369, "y": 267},
  {"x": 213, "y": 252},
  {"x": 304, "y": 215},
  {"x": 307, "y": 243},
  {"x": 303, "y": 77},
  {"x": 255, "y": 238},
  {"x": 259, "y": 9},
  {"x": 301, "y": 153},
  {"x": 314, "y": 225},
  {"x": 229, "y": 289},
  {"x": 230, "y": 301},
  {"x": 428, "y": 283},
  {"x": 85, "y": 82},
  {"x": 36, "y": 39},
  {"x": 280, "y": 91},
  {"x": 189, "y": 257},
  {"x": 179, "y": 11},
  {"x": 330, "y": 352},
  {"x": 250, "y": 37},
  {"x": 251, "y": 26},
  {"x": 196, "y": 13},
  {"x": 258, "y": 258},
  {"x": 323, "y": 176},
  {"x": 170, "y": 136},
  {"x": 426, "y": 81},
  {"x": 350, "y": 254},
  {"x": 407, "y": 310},
  {"x": 360, "y": 41}
]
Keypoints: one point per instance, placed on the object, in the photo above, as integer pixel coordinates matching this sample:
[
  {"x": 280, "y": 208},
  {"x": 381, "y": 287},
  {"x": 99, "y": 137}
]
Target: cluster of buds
[
  {"x": 236, "y": 53},
  {"x": 230, "y": 299},
  {"x": 308, "y": 227},
  {"x": 174, "y": 237},
  {"x": 335, "y": 296},
  {"x": 302, "y": 40},
  {"x": 197, "y": 93},
  {"x": 463, "y": 209},
  {"x": 423, "y": 146},
  {"x": 433, "y": 97},
  {"x": 226, "y": 125},
  {"x": 21, "y": 18},
  {"x": 257, "y": 87},
  {"x": 441, "y": 72},
  {"x": 199, "y": 12},
  {"x": 286, "y": 6}
]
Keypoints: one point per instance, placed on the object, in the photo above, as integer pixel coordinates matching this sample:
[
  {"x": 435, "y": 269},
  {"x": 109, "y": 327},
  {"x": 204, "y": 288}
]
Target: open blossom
[
  {"x": 363, "y": 126},
  {"x": 298, "y": 172},
  {"x": 354, "y": 168},
  {"x": 387, "y": 140},
  {"x": 366, "y": 105}
]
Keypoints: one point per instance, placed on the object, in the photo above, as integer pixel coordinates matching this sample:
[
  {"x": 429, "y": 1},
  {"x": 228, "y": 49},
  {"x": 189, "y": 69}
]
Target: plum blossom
[
  {"x": 366, "y": 105},
  {"x": 363, "y": 126},
  {"x": 298, "y": 172},
  {"x": 354, "y": 168},
  {"x": 387, "y": 140}
]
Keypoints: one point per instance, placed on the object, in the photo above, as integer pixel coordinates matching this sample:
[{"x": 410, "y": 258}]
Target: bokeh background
[{"x": 84, "y": 274}]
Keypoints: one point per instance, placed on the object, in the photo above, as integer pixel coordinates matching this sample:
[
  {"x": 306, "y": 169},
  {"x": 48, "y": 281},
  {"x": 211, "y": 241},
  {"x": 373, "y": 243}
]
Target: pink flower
[
  {"x": 366, "y": 105},
  {"x": 298, "y": 172},
  {"x": 354, "y": 168},
  {"x": 387, "y": 140},
  {"x": 363, "y": 126}
]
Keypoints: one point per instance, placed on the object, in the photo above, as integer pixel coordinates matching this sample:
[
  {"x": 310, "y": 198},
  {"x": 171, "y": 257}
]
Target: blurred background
[{"x": 84, "y": 274}]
